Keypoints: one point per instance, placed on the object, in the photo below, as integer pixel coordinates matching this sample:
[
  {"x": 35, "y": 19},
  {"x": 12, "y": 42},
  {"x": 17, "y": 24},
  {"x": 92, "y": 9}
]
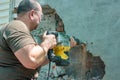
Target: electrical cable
[{"x": 49, "y": 70}]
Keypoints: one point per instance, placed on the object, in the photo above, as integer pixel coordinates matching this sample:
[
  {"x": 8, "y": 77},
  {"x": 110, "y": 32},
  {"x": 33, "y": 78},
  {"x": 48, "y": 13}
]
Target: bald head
[
  {"x": 29, "y": 12},
  {"x": 27, "y": 5}
]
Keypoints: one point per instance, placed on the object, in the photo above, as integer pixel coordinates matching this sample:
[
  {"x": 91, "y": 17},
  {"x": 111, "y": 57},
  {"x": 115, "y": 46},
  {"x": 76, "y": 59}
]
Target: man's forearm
[{"x": 46, "y": 61}]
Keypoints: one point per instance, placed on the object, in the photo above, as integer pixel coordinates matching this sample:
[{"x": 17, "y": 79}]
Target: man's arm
[{"x": 32, "y": 56}]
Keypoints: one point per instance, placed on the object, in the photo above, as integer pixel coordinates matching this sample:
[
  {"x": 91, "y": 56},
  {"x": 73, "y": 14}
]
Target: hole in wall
[{"x": 84, "y": 65}]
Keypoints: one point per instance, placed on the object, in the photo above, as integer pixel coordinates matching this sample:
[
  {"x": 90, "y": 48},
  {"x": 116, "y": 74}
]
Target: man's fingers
[{"x": 45, "y": 33}]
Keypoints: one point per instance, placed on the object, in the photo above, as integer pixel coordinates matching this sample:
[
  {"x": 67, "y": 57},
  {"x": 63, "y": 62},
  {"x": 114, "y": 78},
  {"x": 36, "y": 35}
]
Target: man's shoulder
[{"x": 17, "y": 25}]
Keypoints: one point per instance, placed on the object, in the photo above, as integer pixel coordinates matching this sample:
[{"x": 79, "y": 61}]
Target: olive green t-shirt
[{"x": 13, "y": 37}]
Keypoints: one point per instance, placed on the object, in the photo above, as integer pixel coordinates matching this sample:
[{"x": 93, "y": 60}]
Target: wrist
[
  {"x": 46, "y": 44},
  {"x": 44, "y": 47},
  {"x": 44, "y": 50}
]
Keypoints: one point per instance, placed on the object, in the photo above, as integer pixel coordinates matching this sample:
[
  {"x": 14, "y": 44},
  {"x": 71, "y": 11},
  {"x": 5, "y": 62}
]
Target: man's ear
[{"x": 31, "y": 14}]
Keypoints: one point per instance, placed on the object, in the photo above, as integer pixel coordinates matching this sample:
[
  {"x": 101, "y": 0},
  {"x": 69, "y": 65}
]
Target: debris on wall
[{"x": 84, "y": 66}]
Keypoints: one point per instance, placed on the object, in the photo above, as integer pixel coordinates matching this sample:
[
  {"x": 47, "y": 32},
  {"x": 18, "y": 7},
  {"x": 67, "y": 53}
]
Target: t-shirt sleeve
[{"x": 17, "y": 35}]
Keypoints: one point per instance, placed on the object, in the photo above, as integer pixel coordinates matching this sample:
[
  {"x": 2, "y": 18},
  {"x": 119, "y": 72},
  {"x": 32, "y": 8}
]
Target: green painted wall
[{"x": 96, "y": 22}]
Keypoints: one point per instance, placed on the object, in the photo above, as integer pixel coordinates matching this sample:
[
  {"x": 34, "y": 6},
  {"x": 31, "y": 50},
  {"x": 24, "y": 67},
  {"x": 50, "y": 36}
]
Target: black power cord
[
  {"x": 50, "y": 57},
  {"x": 49, "y": 70}
]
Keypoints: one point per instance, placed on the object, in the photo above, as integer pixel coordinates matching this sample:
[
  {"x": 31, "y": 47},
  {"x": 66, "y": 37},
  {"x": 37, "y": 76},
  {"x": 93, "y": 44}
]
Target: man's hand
[{"x": 50, "y": 40}]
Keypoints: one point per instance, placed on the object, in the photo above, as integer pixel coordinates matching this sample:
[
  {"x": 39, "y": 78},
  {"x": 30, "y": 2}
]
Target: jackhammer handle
[{"x": 52, "y": 32}]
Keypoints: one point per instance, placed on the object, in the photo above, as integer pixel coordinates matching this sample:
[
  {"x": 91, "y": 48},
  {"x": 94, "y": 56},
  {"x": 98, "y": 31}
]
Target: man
[{"x": 20, "y": 56}]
